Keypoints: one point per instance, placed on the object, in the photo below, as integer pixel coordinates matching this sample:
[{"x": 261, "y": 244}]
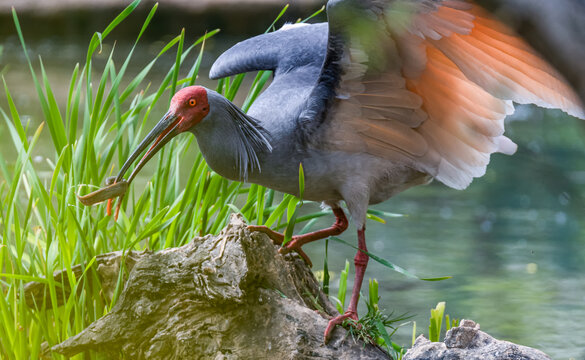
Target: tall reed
[{"x": 44, "y": 227}]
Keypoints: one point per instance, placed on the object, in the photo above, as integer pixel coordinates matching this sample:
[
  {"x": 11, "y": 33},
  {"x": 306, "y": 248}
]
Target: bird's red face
[{"x": 188, "y": 107}]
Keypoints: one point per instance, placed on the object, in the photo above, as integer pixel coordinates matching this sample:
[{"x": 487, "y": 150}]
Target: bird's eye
[{"x": 192, "y": 102}]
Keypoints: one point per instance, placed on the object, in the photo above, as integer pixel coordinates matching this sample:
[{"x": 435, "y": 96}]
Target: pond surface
[{"x": 514, "y": 241}]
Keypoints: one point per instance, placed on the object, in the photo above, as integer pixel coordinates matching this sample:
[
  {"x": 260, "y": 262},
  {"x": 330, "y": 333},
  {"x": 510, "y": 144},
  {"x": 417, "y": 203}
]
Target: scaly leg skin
[
  {"x": 361, "y": 262},
  {"x": 297, "y": 241}
]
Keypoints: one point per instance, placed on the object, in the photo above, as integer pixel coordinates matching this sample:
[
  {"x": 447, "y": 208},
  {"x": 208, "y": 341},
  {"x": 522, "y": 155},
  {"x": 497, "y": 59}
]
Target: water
[
  {"x": 516, "y": 271},
  {"x": 513, "y": 242}
]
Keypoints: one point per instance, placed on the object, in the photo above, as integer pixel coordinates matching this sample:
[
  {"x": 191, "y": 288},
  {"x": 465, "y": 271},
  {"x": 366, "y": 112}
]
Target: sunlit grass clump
[{"x": 45, "y": 228}]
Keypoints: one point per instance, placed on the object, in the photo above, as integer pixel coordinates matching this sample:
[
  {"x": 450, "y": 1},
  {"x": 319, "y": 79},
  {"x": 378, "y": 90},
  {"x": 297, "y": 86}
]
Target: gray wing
[
  {"x": 295, "y": 53},
  {"x": 426, "y": 83},
  {"x": 281, "y": 51}
]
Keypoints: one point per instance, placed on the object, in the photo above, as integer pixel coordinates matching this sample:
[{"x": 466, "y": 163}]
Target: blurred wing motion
[{"x": 427, "y": 83}]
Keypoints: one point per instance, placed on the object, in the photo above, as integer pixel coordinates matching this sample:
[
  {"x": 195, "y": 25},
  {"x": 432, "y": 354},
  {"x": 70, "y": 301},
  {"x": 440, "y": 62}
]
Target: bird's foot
[
  {"x": 338, "y": 320},
  {"x": 295, "y": 245},
  {"x": 278, "y": 238}
]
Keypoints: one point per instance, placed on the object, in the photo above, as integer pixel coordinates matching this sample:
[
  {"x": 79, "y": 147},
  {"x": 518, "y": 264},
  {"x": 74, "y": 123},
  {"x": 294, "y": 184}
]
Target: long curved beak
[{"x": 164, "y": 131}]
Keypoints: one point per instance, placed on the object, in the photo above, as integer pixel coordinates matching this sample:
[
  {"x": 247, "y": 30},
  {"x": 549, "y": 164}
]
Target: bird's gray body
[
  {"x": 377, "y": 100},
  {"x": 385, "y": 96},
  {"x": 296, "y": 55}
]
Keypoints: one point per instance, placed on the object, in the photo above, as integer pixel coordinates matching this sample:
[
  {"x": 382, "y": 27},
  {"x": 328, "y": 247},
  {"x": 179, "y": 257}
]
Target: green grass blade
[
  {"x": 390, "y": 265},
  {"x": 314, "y": 14},
  {"x": 326, "y": 276},
  {"x": 53, "y": 117},
  {"x": 177, "y": 63},
  {"x": 288, "y": 232},
  {"x": 342, "y": 290},
  {"x": 272, "y": 26},
  {"x": 301, "y": 182},
  {"x": 146, "y": 22},
  {"x": 111, "y": 26}
]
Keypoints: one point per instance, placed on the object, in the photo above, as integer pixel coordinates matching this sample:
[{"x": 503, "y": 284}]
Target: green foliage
[
  {"x": 342, "y": 290},
  {"x": 450, "y": 323},
  {"x": 326, "y": 276},
  {"x": 301, "y": 182},
  {"x": 375, "y": 323},
  {"x": 294, "y": 207},
  {"x": 43, "y": 226},
  {"x": 372, "y": 327},
  {"x": 389, "y": 264},
  {"x": 436, "y": 323}
]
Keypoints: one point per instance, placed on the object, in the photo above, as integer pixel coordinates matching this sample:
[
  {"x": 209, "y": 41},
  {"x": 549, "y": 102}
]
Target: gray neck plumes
[{"x": 230, "y": 140}]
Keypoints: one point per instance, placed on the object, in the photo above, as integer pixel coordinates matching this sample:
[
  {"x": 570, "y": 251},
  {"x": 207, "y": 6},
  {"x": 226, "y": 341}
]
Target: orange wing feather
[
  {"x": 467, "y": 86},
  {"x": 443, "y": 111}
]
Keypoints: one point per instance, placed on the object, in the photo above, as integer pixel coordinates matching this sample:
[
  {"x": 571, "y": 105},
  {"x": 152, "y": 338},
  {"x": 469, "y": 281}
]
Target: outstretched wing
[{"x": 427, "y": 83}]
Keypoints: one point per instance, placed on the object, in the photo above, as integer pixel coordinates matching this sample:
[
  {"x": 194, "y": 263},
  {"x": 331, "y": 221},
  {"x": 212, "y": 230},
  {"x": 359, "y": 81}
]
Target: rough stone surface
[
  {"x": 226, "y": 297},
  {"x": 233, "y": 296},
  {"x": 108, "y": 268},
  {"x": 468, "y": 342}
]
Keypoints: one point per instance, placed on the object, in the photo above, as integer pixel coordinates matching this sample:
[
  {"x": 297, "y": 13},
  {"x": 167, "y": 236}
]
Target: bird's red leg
[
  {"x": 297, "y": 241},
  {"x": 361, "y": 262}
]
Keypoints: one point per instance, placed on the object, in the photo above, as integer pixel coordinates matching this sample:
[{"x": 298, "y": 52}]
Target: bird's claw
[
  {"x": 288, "y": 248},
  {"x": 338, "y": 320},
  {"x": 278, "y": 238}
]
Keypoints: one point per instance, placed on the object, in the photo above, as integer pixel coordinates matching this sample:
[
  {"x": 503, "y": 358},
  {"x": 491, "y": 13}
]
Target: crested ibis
[{"x": 384, "y": 96}]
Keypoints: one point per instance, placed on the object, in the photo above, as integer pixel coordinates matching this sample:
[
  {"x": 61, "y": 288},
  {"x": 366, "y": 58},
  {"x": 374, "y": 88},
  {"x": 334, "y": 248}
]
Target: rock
[
  {"x": 108, "y": 268},
  {"x": 231, "y": 296},
  {"x": 467, "y": 342}
]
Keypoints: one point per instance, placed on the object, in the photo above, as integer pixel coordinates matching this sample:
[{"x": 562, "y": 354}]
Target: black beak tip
[{"x": 160, "y": 134}]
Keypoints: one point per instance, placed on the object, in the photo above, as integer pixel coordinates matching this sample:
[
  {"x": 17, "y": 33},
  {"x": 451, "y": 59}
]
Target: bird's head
[{"x": 189, "y": 106}]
